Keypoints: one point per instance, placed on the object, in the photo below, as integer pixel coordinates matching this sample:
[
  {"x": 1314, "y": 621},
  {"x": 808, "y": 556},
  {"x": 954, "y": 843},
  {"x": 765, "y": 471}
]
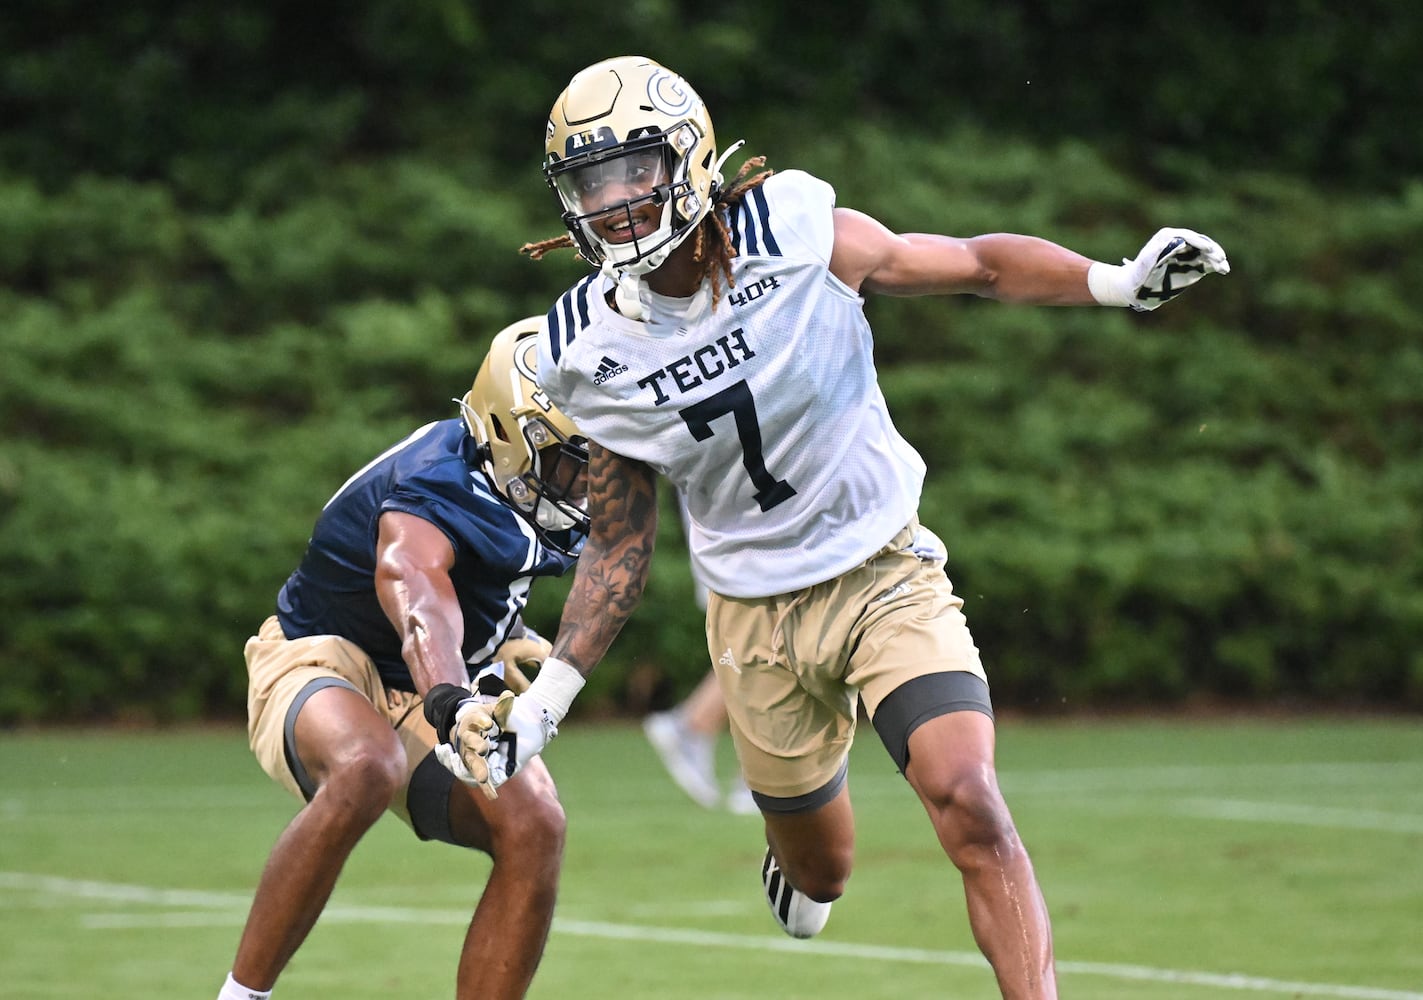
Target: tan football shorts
[
  {"x": 792, "y": 666},
  {"x": 280, "y": 671}
]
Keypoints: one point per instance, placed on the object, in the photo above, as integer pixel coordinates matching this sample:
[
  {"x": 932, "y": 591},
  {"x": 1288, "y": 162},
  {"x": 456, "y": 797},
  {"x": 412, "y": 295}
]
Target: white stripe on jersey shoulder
[
  {"x": 479, "y": 485},
  {"x": 378, "y": 459}
]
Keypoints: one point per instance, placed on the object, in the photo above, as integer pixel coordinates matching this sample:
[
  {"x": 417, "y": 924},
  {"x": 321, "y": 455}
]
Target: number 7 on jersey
[{"x": 737, "y": 400}]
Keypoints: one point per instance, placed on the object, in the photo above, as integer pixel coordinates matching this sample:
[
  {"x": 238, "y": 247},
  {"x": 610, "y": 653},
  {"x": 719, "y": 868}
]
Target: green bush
[{"x": 222, "y": 290}]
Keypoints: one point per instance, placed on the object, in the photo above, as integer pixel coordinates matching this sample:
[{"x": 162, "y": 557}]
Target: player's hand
[
  {"x": 525, "y": 724},
  {"x": 469, "y": 726},
  {"x": 482, "y": 740},
  {"x": 1170, "y": 262},
  {"x": 522, "y": 729},
  {"x": 526, "y": 652}
]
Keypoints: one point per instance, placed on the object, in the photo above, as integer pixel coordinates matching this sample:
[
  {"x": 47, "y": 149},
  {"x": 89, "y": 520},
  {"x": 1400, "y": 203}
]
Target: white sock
[{"x": 233, "y": 990}]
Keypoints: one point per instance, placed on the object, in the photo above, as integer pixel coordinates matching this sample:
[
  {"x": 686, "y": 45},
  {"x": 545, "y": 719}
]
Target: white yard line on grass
[
  {"x": 1162, "y": 777},
  {"x": 27, "y": 803},
  {"x": 1302, "y": 815},
  {"x": 229, "y": 909}
]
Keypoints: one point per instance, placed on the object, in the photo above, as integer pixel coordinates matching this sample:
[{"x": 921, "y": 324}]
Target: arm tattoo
[{"x": 622, "y": 505}]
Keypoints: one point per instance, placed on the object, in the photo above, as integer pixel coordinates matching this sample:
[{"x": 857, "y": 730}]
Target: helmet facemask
[
  {"x": 531, "y": 454},
  {"x": 652, "y": 171},
  {"x": 552, "y": 494}
]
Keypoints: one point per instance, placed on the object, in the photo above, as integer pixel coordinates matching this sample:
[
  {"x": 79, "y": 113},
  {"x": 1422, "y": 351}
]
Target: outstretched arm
[
  {"x": 1005, "y": 266},
  {"x": 1013, "y": 268}
]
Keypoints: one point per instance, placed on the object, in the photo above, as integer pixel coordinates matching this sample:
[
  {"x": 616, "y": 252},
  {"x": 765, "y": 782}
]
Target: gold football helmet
[
  {"x": 631, "y": 154},
  {"x": 531, "y": 453}
]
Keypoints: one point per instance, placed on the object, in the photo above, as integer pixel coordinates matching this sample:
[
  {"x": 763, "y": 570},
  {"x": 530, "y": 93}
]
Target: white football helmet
[
  {"x": 531, "y": 453},
  {"x": 629, "y": 142}
]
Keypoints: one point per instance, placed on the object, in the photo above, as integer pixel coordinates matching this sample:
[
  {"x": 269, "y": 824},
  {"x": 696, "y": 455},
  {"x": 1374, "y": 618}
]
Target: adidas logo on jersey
[{"x": 607, "y": 369}]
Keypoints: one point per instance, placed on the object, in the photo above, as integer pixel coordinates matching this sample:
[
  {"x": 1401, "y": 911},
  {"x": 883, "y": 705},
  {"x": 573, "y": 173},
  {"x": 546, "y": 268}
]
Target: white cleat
[
  {"x": 798, "y": 914},
  {"x": 738, "y": 799},
  {"x": 690, "y": 758}
]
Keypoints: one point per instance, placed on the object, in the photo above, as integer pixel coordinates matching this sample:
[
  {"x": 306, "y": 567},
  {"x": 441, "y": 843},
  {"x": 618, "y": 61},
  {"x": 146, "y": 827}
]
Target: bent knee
[
  {"x": 367, "y": 778},
  {"x": 822, "y": 877},
  {"x": 969, "y": 810},
  {"x": 534, "y": 832}
]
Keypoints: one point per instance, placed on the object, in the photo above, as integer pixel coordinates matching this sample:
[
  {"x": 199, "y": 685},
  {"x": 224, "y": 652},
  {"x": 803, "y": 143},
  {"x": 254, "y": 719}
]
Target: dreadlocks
[{"x": 712, "y": 249}]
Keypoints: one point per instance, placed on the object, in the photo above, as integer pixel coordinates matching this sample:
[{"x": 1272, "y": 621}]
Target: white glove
[
  {"x": 929, "y": 547},
  {"x": 472, "y": 739},
  {"x": 524, "y": 725},
  {"x": 1171, "y": 261},
  {"x": 526, "y": 729}
]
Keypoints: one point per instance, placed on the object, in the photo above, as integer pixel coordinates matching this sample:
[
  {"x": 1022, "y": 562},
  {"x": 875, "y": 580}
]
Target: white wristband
[
  {"x": 1104, "y": 281},
  {"x": 555, "y": 687}
]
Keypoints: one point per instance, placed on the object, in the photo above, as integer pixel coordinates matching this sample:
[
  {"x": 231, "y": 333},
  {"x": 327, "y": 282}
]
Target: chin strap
[
  {"x": 629, "y": 289},
  {"x": 627, "y": 292}
]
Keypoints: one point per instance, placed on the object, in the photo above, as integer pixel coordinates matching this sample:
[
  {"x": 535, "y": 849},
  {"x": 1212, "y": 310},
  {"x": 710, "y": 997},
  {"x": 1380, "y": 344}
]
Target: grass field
[{"x": 1188, "y": 860}]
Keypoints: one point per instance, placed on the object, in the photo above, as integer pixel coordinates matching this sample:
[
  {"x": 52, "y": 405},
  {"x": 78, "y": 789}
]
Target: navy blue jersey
[{"x": 432, "y": 474}]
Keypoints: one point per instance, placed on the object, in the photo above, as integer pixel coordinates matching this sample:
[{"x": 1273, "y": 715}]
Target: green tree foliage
[
  {"x": 244, "y": 247},
  {"x": 199, "y": 94}
]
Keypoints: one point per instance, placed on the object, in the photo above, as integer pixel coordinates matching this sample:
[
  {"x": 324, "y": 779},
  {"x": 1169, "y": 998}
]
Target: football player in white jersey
[{"x": 721, "y": 343}]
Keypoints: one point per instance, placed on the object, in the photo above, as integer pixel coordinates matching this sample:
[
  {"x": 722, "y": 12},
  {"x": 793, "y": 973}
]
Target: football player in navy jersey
[
  {"x": 722, "y": 343},
  {"x": 397, "y": 629}
]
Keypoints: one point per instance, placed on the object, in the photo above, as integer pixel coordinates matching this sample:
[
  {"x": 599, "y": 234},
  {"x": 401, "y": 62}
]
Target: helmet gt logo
[
  {"x": 668, "y": 93},
  {"x": 525, "y": 358}
]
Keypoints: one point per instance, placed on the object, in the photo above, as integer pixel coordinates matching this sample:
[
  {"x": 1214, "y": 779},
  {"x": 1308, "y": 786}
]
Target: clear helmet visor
[
  {"x": 612, "y": 185},
  {"x": 629, "y": 205}
]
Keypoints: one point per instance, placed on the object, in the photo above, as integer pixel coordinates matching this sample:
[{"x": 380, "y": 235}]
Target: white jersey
[{"x": 766, "y": 413}]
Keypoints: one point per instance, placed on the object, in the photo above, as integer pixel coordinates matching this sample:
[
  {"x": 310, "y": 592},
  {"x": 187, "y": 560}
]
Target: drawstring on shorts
[{"x": 777, "y": 633}]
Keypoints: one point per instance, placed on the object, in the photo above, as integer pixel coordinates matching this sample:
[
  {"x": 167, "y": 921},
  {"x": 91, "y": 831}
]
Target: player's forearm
[
  {"x": 430, "y": 635},
  {"x": 612, "y": 569},
  {"x": 606, "y": 589},
  {"x": 604, "y": 595},
  {"x": 431, "y": 649},
  {"x": 413, "y": 586},
  {"x": 1027, "y": 269}
]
